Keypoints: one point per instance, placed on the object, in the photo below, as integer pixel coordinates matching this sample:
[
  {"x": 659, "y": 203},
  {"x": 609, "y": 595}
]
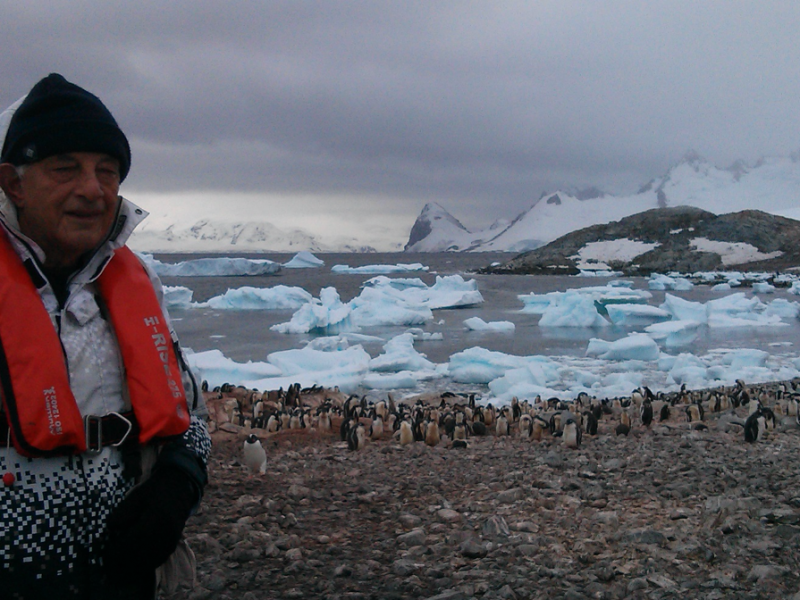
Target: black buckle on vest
[{"x": 117, "y": 429}]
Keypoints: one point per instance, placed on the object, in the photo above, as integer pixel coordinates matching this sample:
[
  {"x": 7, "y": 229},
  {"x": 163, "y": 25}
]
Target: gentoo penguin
[
  {"x": 376, "y": 428},
  {"x": 357, "y": 436},
  {"x": 516, "y": 410},
  {"x": 646, "y": 413},
  {"x": 525, "y": 426},
  {"x": 501, "y": 427},
  {"x": 664, "y": 413},
  {"x": 591, "y": 422},
  {"x": 754, "y": 427},
  {"x": 572, "y": 434},
  {"x": 255, "y": 458}
]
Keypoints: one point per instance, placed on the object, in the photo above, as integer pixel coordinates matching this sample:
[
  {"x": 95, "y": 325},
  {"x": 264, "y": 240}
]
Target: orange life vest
[{"x": 41, "y": 410}]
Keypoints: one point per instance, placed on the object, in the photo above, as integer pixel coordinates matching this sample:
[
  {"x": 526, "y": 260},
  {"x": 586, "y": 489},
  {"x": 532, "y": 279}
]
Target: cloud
[{"x": 478, "y": 105}]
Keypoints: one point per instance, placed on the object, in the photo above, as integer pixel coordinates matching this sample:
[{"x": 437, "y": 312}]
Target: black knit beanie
[{"x": 58, "y": 117}]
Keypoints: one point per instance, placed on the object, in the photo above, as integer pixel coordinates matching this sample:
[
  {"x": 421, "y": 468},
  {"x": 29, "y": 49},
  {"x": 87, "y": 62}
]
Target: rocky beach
[{"x": 669, "y": 511}]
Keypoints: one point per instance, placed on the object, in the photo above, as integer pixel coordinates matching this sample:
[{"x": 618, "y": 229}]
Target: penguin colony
[{"x": 453, "y": 419}]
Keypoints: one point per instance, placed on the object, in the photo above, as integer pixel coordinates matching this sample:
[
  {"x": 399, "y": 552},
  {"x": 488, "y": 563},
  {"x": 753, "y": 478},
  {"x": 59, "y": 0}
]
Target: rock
[
  {"x": 496, "y": 526},
  {"x": 415, "y": 537},
  {"x": 473, "y": 549}
]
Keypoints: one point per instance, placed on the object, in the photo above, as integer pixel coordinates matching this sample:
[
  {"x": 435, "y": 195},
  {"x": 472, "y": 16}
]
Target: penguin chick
[
  {"x": 255, "y": 458},
  {"x": 572, "y": 434},
  {"x": 432, "y": 436},
  {"x": 406, "y": 433},
  {"x": 622, "y": 429}
]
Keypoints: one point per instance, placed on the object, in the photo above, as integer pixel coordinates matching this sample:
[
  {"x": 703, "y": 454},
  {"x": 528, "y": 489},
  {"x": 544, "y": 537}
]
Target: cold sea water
[{"x": 246, "y": 336}]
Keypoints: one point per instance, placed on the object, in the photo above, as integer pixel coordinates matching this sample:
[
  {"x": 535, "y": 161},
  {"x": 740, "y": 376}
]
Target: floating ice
[
  {"x": 664, "y": 282},
  {"x": 212, "y": 267},
  {"x": 674, "y": 334},
  {"x": 304, "y": 260},
  {"x": 374, "y": 307},
  {"x": 616, "y": 292},
  {"x": 572, "y": 310},
  {"x": 763, "y": 287},
  {"x": 251, "y": 298},
  {"x": 324, "y": 316},
  {"x": 400, "y": 355},
  {"x": 377, "y": 269},
  {"x": 637, "y": 346},
  {"x": 478, "y": 324},
  {"x": 217, "y": 369},
  {"x": 394, "y": 381},
  {"x": 177, "y": 297},
  {"x": 478, "y": 365},
  {"x": 635, "y": 314}
]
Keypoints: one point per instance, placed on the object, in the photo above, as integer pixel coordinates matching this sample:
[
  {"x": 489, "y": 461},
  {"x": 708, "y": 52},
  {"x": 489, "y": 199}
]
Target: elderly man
[{"x": 96, "y": 396}]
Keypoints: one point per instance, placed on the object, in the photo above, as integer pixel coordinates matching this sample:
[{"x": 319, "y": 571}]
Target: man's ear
[{"x": 11, "y": 183}]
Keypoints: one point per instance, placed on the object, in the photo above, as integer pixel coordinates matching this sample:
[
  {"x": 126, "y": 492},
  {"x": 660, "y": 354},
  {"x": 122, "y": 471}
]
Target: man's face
[{"x": 66, "y": 203}]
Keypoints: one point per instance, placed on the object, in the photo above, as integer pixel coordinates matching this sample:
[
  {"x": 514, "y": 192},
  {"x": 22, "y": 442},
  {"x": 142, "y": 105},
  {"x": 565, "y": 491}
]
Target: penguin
[
  {"x": 754, "y": 427},
  {"x": 406, "y": 433},
  {"x": 625, "y": 419},
  {"x": 694, "y": 413},
  {"x": 357, "y": 436},
  {"x": 572, "y": 434},
  {"x": 432, "y": 436},
  {"x": 624, "y": 426},
  {"x": 255, "y": 458},
  {"x": 501, "y": 427},
  {"x": 525, "y": 426},
  {"x": 646, "y": 412},
  {"x": 516, "y": 411},
  {"x": 539, "y": 427},
  {"x": 591, "y": 422},
  {"x": 664, "y": 413},
  {"x": 459, "y": 432},
  {"x": 324, "y": 422},
  {"x": 479, "y": 428},
  {"x": 376, "y": 428},
  {"x": 273, "y": 424}
]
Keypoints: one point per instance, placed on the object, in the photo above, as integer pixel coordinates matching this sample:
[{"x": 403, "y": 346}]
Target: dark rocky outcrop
[{"x": 673, "y": 229}]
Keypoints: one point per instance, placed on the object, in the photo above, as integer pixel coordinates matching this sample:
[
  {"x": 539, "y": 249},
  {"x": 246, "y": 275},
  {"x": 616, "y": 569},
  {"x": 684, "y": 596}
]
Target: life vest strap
[{"x": 112, "y": 429}]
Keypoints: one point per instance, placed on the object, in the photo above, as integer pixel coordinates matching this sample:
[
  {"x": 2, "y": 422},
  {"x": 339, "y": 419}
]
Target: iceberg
[
  {"x": 400, "y": 355},
  {"x": 304, "y": 260},
  {"x": 217, "y": 369},
  {"x": 378, "y": 269},
  {"x": 665, "y": 282},
  {"x": 674, "y": 334},
  {"x": 212, "y": 267},
  {"x": 279, "y": 297},
  {"x": 177, "y": 297},
  {"x": 478, "y": 324},
  {"x": 324, "y": 316},
  {"x": 637, "y": 346},
  {"x": 635, "y": 314},
  {"x": 572, "y": 310}
]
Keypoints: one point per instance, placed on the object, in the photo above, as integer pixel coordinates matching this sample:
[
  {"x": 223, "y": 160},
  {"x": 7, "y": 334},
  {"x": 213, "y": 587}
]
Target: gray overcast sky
[{"x": 382, "y": 106}]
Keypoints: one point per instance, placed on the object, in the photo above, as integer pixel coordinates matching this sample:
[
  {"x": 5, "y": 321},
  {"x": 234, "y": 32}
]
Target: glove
[{"x": 147, "y": 525}]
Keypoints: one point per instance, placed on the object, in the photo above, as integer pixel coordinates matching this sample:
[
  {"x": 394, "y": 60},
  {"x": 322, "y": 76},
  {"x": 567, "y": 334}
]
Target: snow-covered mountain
[
  {"x": 233, "y": 236},
  {"x": 771, "y": 185}
]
